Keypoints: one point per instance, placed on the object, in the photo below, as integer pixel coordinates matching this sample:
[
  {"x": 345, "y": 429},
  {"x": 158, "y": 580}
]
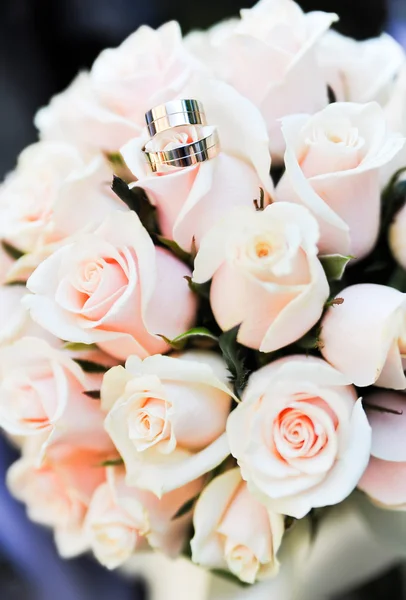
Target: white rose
[
  {"x": 234, "y": 531},
  {"x": 300, "y": 437},
  {"x": 104, "y": 109},
  {"x": 265, "y": 274},
  {"x": 360, "y": 71},
  {"x": 167, "y": 417},
  {"x": 269, "y": 57},
  {"x": 107, "y": 287},
  {"x": 190, "y": 200},
  {"x": 122, "y": 519},
  {"x": 332, "y": 167},
  {"x": 40, "y": 200}
]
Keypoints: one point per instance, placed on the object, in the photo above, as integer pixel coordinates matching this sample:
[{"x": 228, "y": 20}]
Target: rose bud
[
  {"x": 365, "y": 337},
  {"x": 234, "y": 531},
  {"x": 266, "y": 274},
  {"x": 385, "y": 477},
  {"x": 333, "y": 161}
]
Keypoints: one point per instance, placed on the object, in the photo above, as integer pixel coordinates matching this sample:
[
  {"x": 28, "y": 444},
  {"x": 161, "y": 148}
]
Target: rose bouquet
[{"x": 203, "y": 317}]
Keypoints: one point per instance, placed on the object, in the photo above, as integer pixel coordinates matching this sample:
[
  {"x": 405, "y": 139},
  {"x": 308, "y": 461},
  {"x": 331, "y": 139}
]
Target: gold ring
[
  {"x": 187, "y": 155},
  {"x": 174, "y": 114}
]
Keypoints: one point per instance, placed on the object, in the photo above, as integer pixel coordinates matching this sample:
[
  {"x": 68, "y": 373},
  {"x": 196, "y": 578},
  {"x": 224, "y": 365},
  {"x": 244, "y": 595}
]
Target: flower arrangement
[{"x": 203, "y": 309}]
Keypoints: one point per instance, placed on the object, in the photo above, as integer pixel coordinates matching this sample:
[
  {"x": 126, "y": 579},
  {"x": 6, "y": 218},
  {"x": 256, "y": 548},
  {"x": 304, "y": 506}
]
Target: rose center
[
  {"x": 263, "y": 249},
  {"x": 241, "y": 561},
  {"x": 297, "y": 435},
  {"x": 148, "y": 425}
]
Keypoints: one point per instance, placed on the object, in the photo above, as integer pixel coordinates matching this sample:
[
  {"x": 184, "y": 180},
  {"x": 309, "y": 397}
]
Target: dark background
[{"x": 43, "y": 43}]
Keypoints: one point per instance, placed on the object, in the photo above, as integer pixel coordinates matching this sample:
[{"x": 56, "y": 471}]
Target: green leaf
[
  {"x": 78, "y": 347},
  {"x": 91, "y": 367},
  {"x": 334, "y": 265},
  {"x": 201, "y": 289},
  {"x": 175, "y": 249},
  {"x": 13, "y": 252},
  {"x": 185, "y": 508},
  {"x": 114, "y": 462},
  {"x": 180, "y": 341},
  {"x": 398, "y": 279},
  {"x": 94, "y": 394},
  {"x": 311, "y": 340},
  {"x": 136, "y": 200},
  {"x": 233, "y": 356},
  {"x": 260, "y": 204},
  {"x": 115, "y": 158},
  {"x": 393, "y": 198}
]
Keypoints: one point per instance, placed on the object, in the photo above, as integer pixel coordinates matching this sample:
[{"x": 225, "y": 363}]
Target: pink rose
[
  {"x": 300, "y": 436},
  {"x": 107, "y": 287},
  {"x": 104, "y": 109},
  {"x": 15, "y": 320},
  {"x": 269, "y": 56},
  {"x": 123, "y": 519},
  {"x": 332, "y": 167},
  {"x": 58, "y": 491},
  {"x": 39, "y": 200},
  {"x": 14, "y": 317},
  {"x": 42, "y": 392},
  {"x": 234, "y": 531},
  {"x": 365, "y": 336},
  {"x": 385, "y": 478},
  {"x": 360, "y": 71},
  {"x": 266, "y": 274},
  {"x": 190, "y": 200},
  {"x": 167, "y": 417}
]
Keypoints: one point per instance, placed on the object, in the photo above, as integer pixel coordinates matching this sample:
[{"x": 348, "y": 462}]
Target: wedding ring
[
  {"x": 174, "y": 114},
  {"x": 187, "y": 155}
]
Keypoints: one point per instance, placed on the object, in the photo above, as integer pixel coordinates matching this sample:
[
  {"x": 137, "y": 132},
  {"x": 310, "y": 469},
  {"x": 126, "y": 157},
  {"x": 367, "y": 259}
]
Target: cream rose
[
  {"x": 332, "y": 167},
  {"x": 14, "y": 317},
  {"x": 360, "y": 71},
  {"x": 190, "y": 200},
  {"x": 300, "y": 436},
  {"x": 105, "y": 108},
  {"x": 265, "y": 274},
  {"x": 384, "y": 479},
  {"x": 107, "y": 287},
  {"x": 39, "y": 200},
  {"x": 57, "y": 492},
  {"x": 234, "y": 531},
  {"x": 269, "y": 55},
  {"x": 365, "y": 336},
  {"x": 42, "y": 392},
  {"x": 123, "y": 519},
  {"x": 167, "y": 417}
]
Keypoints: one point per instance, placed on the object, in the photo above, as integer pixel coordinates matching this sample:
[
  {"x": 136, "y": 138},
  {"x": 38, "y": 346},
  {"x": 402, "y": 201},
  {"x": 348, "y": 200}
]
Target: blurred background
[{"x": 43, "y": 43}]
